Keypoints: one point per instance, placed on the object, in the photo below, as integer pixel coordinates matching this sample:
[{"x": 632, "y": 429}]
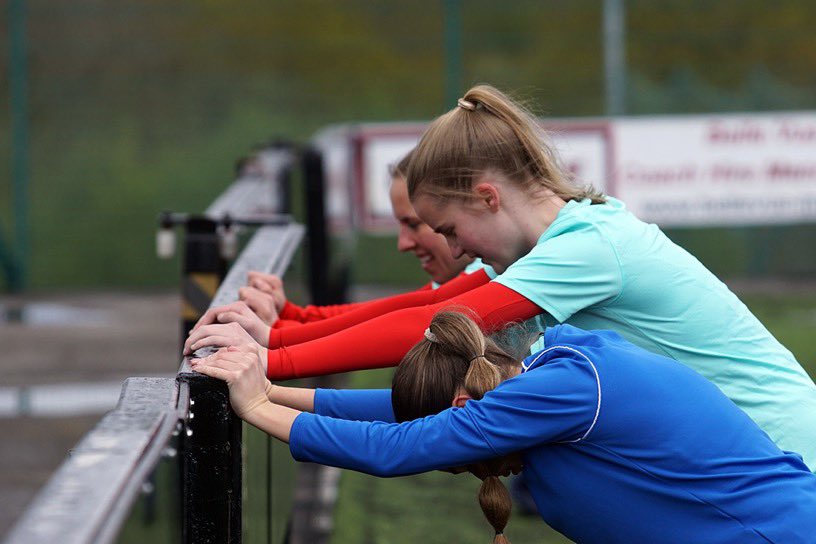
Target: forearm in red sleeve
[
  {"x": 310, "y": 313},
  {"x": 370, "y": 310},
  {"x": 283, "y": 323},
  {"x": 383, "y": 341}
]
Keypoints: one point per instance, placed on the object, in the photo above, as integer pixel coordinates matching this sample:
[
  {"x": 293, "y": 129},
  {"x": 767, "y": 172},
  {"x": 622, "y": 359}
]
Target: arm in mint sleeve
[
  {"x": 354, "y": 404},
  {"x": 556, "y": 402}
]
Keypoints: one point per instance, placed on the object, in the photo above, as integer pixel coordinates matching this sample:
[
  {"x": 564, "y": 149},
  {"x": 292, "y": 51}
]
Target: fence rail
[
  {"x": 187, "y": 421},
  {"x": 91, "y": 494}
]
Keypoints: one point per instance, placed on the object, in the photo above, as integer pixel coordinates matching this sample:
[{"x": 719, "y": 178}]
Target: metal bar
[
  {"x": 18, "y": 83},
  {"x": 317, "y": 228},
  {"x": 203, "y": 270},
  {"x": 210, "y": 464},
  {"x": 257, "y": 193},
  {"x": 614, "y": 33},
  {"x": 452, "y": 15},
  {"x": 120, "y": 452},
  {"x": 170, "y": 219}
]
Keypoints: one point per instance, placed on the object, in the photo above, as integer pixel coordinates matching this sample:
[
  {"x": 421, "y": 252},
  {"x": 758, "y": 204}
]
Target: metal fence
[{"x": 172, "y": 462}]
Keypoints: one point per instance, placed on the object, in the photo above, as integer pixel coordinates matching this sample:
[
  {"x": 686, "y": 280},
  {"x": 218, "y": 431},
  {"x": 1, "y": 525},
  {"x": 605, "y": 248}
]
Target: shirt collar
[{"x": 536, "y": 354}]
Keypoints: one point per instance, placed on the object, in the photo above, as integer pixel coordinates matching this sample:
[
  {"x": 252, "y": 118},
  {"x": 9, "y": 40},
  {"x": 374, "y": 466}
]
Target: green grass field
[{"x": 439, "y": 507}]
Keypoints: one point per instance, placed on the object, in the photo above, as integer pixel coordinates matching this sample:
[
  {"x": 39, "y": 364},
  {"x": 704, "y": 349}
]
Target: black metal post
[
  {"x": 203, "y": 270},
  {"x": 317, "y": 242},
  {"x": 210, "y": 464}
]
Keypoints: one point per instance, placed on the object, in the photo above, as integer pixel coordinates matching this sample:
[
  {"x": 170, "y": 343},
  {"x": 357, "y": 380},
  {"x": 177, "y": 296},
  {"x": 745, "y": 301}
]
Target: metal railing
[{"x": 172, "y": 462}]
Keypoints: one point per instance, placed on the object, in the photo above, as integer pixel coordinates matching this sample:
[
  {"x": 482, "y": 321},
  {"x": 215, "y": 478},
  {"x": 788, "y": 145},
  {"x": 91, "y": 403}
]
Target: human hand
[
  {"x": 218, "y": 336},
  {"x": 238, "y": 313},
  {"x": 238, "y": 366},
  {"x": 270, "y": 284},
  {"x": 260, "y": 302}
]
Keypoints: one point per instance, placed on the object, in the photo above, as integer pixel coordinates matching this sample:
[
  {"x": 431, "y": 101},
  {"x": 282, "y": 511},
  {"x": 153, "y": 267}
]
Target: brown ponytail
[
  {"x": 454, "y": 353},
  {"x": 496, "y": 506},
  {"x": 492, "y": 133}
]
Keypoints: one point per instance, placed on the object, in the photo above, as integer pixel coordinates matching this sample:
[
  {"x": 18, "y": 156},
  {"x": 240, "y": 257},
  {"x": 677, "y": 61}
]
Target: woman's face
[
  {"x": 479, "y": 227},
  {"x": 417, "y": 237}
]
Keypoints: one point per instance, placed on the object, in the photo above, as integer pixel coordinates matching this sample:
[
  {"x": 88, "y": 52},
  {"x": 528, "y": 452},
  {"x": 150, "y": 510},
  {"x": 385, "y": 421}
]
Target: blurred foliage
[{"x": 141, "y": 106}]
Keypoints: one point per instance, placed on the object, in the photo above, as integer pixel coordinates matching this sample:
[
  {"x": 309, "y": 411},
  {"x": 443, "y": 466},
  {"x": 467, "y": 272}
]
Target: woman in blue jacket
[{"x": 617, "y": 444}]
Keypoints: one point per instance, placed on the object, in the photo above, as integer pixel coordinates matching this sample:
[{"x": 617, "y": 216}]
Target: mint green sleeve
[{"x": 567, "y": 273}]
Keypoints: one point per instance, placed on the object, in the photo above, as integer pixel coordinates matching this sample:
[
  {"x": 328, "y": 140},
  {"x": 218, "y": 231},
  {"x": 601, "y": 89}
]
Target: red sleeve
[
  {"x": 283, "y": 323},
  {"x": 309, "y": 314},
  {"x": 369, "y": 310},
  {"x": 383, "y": 341}
]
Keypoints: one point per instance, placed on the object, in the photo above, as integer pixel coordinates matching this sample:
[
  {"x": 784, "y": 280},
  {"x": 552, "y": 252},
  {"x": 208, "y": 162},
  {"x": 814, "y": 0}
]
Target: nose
[{"x": 405, "y": 242}]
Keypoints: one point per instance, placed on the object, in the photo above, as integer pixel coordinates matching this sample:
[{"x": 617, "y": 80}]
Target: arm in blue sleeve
[
  {"x": 556, "y": 402},
  {"x": 355, "y": 404}
]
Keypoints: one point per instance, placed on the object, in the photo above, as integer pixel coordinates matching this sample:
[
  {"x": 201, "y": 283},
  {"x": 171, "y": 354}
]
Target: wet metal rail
[{"x": 179, "y": 434}]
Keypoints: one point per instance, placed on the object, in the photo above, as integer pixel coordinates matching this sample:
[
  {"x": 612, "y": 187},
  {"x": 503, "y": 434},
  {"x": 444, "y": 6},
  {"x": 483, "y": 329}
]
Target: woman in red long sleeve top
[
  {"x": 414, "y": 237},
  {"x": 450, "y": 277}
]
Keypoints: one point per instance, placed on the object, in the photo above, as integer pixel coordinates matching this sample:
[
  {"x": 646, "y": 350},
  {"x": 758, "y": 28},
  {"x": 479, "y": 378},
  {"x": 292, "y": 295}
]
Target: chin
[{"x": 444, "y": 276}]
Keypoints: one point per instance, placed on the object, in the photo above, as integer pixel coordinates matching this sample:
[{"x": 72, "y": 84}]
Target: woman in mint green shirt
[{"x": 483, "y": 177}]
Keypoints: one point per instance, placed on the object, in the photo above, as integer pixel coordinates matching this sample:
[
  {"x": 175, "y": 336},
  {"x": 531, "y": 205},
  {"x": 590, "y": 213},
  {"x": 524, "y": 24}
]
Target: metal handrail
[{"x": 89, "y": 497}]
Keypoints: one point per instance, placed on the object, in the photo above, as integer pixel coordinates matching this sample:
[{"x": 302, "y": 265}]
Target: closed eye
[{"x": 447, "y": 232}]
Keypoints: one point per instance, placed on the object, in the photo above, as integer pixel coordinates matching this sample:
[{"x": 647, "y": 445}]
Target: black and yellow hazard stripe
[{"x": 197, "y": 293}]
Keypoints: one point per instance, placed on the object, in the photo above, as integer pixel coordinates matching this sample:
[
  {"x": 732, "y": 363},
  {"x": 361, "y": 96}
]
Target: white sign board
[
  {"x": 700, "y": 170},
  {"x": 718, "y": 170}
]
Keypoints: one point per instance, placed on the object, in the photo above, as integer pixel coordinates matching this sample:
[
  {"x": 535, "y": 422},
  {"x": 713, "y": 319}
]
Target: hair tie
[
  {"x": 431, "y": 336},
  {"x": 483, "y": 356},
  {"x": 466, "y": 104}
]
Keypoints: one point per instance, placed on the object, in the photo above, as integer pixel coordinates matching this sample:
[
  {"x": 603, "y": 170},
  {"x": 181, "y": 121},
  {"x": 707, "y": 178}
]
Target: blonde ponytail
[
  {"x": 493, "y": 133},
  {"x": 481, "y": 377}
]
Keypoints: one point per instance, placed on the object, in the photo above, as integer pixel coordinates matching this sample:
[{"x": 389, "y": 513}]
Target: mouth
[{"x": 425, "y": 259}]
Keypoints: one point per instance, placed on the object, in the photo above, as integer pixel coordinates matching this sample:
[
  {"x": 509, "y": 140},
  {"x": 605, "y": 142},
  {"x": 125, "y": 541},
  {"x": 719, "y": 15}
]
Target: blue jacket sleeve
[
  {"x": 559, "y": 401},
  {"x": 354, "y": 404}
]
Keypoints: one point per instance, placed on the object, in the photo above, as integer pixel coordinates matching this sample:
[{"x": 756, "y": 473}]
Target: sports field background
[{"x": 140, "y": 106}]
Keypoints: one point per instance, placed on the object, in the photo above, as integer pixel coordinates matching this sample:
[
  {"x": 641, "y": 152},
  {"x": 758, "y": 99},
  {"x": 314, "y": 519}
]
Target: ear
[
  {"x": 488, "y": 194},
  {"x": 460, "y": 399}
]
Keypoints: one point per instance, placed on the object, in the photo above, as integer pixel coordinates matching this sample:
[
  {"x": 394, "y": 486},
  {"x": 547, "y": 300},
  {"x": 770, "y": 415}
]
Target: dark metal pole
[
  {"x": 204, "y": 269},
  {"x": 317, "y": 242},
  {"x": 614, "y": 33},
  {"x": 210, "y": 464},
  {"x": 18, "y": 82},
  {"x": 453, "y": 52}
]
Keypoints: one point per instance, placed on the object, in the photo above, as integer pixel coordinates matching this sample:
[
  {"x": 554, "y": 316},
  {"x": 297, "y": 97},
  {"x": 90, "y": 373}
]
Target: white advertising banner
[
  {"x": 678, "y": 171},
  {"x": 717, "y": 170}
]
